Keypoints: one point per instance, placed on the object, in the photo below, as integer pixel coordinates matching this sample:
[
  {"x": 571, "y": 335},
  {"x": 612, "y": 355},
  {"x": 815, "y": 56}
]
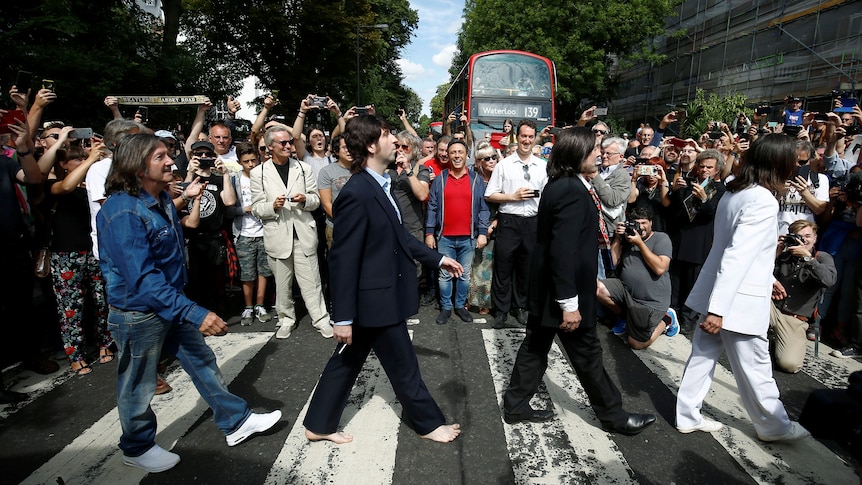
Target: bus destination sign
[{"x": 534, "y": 111}]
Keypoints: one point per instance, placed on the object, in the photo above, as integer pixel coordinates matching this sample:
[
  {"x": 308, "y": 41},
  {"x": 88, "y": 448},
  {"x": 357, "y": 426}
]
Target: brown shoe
[{"x": 162, "y": 387}]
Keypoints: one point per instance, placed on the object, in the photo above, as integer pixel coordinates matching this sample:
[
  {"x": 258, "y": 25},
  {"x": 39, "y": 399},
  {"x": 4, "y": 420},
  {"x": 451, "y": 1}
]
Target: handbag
[{"x": 42, "y": 267}]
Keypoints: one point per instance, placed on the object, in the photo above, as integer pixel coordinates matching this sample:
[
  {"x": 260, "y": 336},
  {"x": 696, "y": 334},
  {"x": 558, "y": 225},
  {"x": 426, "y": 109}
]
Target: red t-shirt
[
  {"x": 435, "y": 166},
  {"x": 457, "y": 206}
]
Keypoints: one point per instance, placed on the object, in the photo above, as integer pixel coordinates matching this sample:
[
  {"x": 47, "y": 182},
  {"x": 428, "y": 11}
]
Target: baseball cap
[
  {"x": 202, "y": 144},
  {"x": 165, "y": 134}
]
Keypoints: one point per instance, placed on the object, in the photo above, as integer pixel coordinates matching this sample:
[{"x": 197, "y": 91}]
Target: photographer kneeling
[
  {"x": 802, "y": 275},
  {"x": 641, "y": 294}
]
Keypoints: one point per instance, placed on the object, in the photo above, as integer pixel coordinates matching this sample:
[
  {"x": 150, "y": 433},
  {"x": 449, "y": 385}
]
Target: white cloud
[
  {"x": 455, "y": 26},
  {"x": 444, "y": 57},
  {"x": 412, "y": 71}
]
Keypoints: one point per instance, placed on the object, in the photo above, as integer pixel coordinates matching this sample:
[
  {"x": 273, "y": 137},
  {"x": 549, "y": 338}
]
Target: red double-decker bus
[{"x": 497, "y": 85}]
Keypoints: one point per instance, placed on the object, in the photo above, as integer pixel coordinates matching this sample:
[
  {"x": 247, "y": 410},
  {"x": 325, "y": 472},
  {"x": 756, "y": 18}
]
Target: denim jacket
[
  {"x": 142, "y": 257},
  {"x": 479, "y": 209}
]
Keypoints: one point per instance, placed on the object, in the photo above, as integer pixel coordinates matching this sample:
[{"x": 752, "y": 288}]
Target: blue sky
[{"x": 425, "y": 62}]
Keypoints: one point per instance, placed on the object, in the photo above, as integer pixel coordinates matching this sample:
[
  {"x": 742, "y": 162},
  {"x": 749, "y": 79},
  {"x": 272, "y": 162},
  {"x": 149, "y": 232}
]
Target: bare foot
[
  {"x": 339, "y": 438},
  {"x": 444, "y": 433}
]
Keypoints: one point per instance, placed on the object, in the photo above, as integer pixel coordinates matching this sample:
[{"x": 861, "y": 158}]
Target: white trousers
[
  {"x": 307, "y": 274},
  {"x": 752, "y": 369}
]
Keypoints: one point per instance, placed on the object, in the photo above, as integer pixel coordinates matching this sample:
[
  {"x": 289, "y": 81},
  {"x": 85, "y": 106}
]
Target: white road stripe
[
  {"x": 805, "y": 461},
  {"x": 832, "y": 372},
  {"x": 372, "y": 416},
  {"x": 571, "y": 448},
  {"x": 94, "y": 457}
]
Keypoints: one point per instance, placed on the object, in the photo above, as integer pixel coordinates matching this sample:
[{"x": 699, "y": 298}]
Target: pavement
[{"x": 68, "y": 430}]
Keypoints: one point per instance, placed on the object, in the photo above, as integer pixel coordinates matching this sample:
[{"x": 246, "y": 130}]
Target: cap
[
  {"x": 165, "y": 134},
  {"x": 202, "y": 144}
]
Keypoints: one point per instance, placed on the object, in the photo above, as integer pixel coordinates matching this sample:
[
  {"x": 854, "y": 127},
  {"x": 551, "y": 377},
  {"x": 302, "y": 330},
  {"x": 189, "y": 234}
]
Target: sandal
[
  {"x": 82, "y": 368},
  {"x": 105, "y": 356}
]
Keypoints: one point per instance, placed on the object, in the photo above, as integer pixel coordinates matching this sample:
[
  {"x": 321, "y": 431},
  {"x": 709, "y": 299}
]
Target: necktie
[{"x": 604, "y": 241}]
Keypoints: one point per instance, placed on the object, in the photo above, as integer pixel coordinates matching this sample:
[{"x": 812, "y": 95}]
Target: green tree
[
  {"x": 583, "y": 38},
  {"x": 437, "y": 102},
  {"x": 711, "y": 107}
]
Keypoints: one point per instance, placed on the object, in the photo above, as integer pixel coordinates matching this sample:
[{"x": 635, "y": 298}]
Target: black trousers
[
  {"x": 395, "y": 351},
  {"x": 515, "y": 241},
  {"x": 585, "y": 353}
]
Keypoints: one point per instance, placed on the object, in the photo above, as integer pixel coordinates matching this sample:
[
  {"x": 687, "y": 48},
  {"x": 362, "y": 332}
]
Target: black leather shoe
[
  {"x": 428, "y": 299},
  {"x": 464, "y": 315},
  {"x": 443, "y": 317},
  {"x": 500, "y": 321},
  {"x": 11, "y": 397},
  {"x": 520, "y": 315},
  {"x": 634, "y": 425},
  {"x": 531, "y": 415}
]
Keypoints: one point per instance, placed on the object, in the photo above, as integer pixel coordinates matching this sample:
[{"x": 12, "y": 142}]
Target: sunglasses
[
  {"x": 205, "y": 154},
  {"x": 55, "y": 136},
  {"x": 284, "y": 143},
  {"x": 488, "y": 159},
  {"x": 526, "y": 172},
  {"x": 603, "y": 132},
  {"x": 403, "y": 147}
]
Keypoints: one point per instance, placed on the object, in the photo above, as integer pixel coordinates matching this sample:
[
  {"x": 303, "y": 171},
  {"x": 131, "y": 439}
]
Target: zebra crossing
[{"x": 466, "y": 368}]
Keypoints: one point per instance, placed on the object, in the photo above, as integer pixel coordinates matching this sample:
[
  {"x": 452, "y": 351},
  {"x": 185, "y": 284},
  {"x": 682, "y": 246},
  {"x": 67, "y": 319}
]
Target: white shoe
[
  {"x": 706, "y": 425},
  {"x": 256, "y": 423},
  {"x": 263, "y": 316},
  {"x": 325, "y": 329},
  {"x": 156, "y": 459},
  {"x": 412, "y": 321},
  {"x": 796, "y": 432},
  {"x": 284, "y": 331}
]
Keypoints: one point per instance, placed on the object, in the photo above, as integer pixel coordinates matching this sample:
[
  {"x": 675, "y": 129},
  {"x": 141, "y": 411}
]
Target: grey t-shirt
[
  {"x": 317, "y": 163},
  {"x": 644, "y": 286},
  {"x": 333, "y": 177},
  {"x": 412, "y": 209}
]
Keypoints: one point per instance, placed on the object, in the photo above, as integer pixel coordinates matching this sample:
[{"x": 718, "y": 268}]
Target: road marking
[
  {"x": 832, "y": 372},
  {"x": 805, "y": 461},
  {"x": 572, "y": 447},
  {"x": 94, "y": 457},
  {"x": 372, "y": 416}
]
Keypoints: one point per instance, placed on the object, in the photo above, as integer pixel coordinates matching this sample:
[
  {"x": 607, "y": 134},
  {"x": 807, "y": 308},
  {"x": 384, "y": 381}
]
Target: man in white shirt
[{"x": 516, "y": 184}]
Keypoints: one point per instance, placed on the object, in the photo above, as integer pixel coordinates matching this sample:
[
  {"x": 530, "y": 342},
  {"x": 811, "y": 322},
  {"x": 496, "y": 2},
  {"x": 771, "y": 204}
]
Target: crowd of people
[{"x": 209, "y": 208}]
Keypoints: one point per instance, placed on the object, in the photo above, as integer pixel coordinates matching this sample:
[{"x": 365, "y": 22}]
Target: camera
[
  {"x": 601, "y": 111},
  {"x": 853, "y": 187},
  {"x": 791, "y": 131},
  {"x": 792, "y": 240},
  {"x": 399, "y": 112},
  {"x": 207, "y": 162},
  {"x": 318, "y": 101},
  {"x": 536, "y": 193},
  {"x": 361, "y": 110},
  {"x": 632, "y": 228}
]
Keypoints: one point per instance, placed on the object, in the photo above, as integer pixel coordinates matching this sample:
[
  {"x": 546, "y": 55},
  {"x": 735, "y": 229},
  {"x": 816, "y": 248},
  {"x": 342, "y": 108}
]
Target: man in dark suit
[
  {"x": 562, "y": 291},
  {"x": 374, "y": 290}
]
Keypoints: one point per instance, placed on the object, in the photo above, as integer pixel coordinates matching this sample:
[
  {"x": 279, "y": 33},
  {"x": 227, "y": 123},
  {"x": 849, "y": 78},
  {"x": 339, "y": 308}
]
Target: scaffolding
[{"x": 763, "y": 49}]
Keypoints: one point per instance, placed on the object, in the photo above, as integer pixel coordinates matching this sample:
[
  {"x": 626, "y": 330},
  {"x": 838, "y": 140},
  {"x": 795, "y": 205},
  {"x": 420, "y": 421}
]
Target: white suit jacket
[
  {"x": 279, "y": 226},
  {"x": 736, "y": 280}
]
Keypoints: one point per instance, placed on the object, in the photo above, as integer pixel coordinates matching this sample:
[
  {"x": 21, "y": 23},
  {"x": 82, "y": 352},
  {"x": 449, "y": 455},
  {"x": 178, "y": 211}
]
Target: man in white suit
[
  {"x": 734, "y": 292},
  {"x": 284, "y": 193}
]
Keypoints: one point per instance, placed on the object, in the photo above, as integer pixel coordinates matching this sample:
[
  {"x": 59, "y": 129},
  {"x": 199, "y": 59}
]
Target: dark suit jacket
[
  {"x": 372, "y": 273},
  {"x": 565, "y": 261}
]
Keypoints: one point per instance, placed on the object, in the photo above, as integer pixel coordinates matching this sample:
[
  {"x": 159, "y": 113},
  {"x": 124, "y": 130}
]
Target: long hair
[
  {"x": 571, "y": 150},
  {"x": 415, "y": 143},
  {"x": 770, "y": 162},
  {"x": 129, "y": 162},
  {"x": 360, "y": 132}
]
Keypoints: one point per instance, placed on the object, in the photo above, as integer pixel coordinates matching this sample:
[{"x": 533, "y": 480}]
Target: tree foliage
[
  {"x": 711, "y": 107},
  {"x": 583, "y": 38}
]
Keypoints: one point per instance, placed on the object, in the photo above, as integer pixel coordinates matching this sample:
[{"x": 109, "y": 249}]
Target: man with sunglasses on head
[
  {"x": 284, "y": 195},
  {"x": 410, "y": 187},
  {"x": 516, "y": 185}
]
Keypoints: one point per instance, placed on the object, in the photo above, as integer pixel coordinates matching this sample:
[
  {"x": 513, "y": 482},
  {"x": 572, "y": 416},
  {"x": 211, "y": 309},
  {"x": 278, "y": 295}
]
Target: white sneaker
[
  {"x": 412, "y": 321},
  {"x": 247, "y": 317},
  {"x": 796, "y": 432},
  {"x": 156, "y": 459},
  {"x": 706, "y": 425},
  {"x": 256, "y": 423},
  {"x": 325, "y": 329},
  {"x": 284, "y": 331},
  {"x": 262, "y": 315}
]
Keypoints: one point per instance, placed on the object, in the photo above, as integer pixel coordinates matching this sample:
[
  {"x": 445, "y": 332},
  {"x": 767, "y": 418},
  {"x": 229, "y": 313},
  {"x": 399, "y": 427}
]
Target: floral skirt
[{"x": 479, "y": 294}]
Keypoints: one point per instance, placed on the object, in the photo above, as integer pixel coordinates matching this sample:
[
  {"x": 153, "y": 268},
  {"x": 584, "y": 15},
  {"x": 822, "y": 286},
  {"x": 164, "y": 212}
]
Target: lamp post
[{"x": 358, "y": 29}]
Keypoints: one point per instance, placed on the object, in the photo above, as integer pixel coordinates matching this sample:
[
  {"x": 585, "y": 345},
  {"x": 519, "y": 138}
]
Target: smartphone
[
  {"x": 318, "y": 101},
  {"x": 601, "y": 111},
  {"x": 763, "y": 110},
  {"x": 144, "y": 112},
  {"x": 555, "y": 131},
  {"x": 650, "y": 170},
  {"x": 821, "y": 117},
  {"x": 82, "y": 133},
  {"x": 715, "y": 135},
  {"x": 641, "y": 161},
  {"x": 24, "y": 80},
  {"x": 792, "y": 131},
  {"x": 536, "y": 193},
  {"x": 274, "y": 94},
  {"x": 678, "y": 142},
  {"x": 743, "y": 136},
  {"x": 48, "y": 84},
  {"x": 207, "y": 162},
  {"x": 361, "y": 110},
  {"x": 772, "y": 124},
  {"x": 9, "y": 119},
  {"x": 545, "y": 151},
  {"x": 399, "y": 112}
]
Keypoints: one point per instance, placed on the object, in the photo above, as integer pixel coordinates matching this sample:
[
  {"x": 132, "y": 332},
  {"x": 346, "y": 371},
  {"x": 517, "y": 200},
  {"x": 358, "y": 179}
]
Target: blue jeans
[
  {"x": 139, "y": 337},
  {"x": 461, "y": 249}
]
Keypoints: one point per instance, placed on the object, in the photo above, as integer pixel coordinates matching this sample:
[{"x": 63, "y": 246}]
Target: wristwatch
[
  {"x": 409, "y": 173},
  {"x": 807, "y": 259}
]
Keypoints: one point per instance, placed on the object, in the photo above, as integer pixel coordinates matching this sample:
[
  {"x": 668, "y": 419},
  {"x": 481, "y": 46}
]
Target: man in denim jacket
[
  {"x": 456, "y": 225},
  {"x": 142, "y": 261}
]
